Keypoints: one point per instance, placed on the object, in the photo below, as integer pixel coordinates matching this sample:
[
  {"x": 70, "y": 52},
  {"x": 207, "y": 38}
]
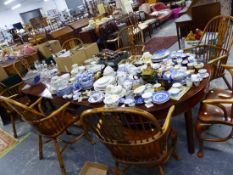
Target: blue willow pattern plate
[{"x": 160, "y": 97}]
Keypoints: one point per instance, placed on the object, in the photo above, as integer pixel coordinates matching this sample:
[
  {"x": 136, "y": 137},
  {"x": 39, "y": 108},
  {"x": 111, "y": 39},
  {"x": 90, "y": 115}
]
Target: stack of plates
[
  {"x": 159, "y": 55},
  {"x": 102, "y": 83}
]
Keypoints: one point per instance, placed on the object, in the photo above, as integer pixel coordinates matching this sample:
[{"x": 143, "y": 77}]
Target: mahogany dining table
[{"x": 182, "y": 106}]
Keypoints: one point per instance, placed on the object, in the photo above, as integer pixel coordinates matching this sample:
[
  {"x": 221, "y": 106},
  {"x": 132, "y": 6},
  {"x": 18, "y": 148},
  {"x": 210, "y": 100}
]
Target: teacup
[
  {"x": 128, "y": 85},
  {"x": 74, "y": 66},
  {"x": 190, "y": 66},
  {"x": 157, "y": 87},
  {"x": 196, "y": 79},
  {"x": 188, "y": 82},
  {"x": 130, "y": 102},
  {"x": 202, "y": 72},
  {"x": 174, "y": 91},
  {"x": 147, "y": 97},
  {"x": 108, "y": 71},
  {"x": 111, "y": 100},
  {"x": 177, "y": 85}
]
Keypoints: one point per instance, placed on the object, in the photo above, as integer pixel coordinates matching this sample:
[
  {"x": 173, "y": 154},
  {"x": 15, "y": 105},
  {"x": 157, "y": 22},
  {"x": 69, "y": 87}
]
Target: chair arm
[
  {"x": 57, "y": 112},
  {"x": 227, "y": 66},
  {"x": 168, "y": 119},
  {"x": 217, "y": 101},
  {"x": 112, "y": 40},
  {"x": 217, "y": 59},
  {"x": 13, "y": 96},
  {"x": 38, "y": 104}
]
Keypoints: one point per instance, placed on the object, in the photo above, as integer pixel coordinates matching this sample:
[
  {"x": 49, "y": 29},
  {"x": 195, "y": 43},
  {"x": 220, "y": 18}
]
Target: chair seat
[
  {"x": 213, "y": 114},
  {"x": 150, "y": 21},
  {"x": 142, "y": 26},
  {"x": 24, "y": 100}
]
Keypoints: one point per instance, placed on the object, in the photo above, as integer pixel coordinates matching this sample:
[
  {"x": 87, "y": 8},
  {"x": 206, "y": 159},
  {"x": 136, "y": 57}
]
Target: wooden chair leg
[
  {"x": 226, "y": 81},
  {"x": 161, "y": 171},
  {"x": 59, "y": 157},
  {"x": 13, "y": 125},
  {"x": 174, "y": 141},
  {"x": 116, "y": 170},
  {"x": 199, "y": 129},
  {"x": 40, "y": 147},
  {"x": 88, "y": 137}
]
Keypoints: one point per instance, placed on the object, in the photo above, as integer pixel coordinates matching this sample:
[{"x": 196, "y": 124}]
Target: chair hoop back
[
  {"x": 129, "y": 36},
  {"x": 132, "y": 135},
  {"x": 219, "y": 32},
  {"x": 72, "y": 43},
  {"x": 49, "y": 126}
]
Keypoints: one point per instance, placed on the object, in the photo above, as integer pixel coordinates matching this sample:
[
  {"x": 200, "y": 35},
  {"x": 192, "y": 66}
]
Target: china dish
[
  {"x": 159, "y": 55},
  {"x": 160, "y": 97},
  {"x": 140, "y": 89},
  {"x": 96, "y": 97},
  {"x": 32, "y": 78},
  {"x": 102, "y": 83},
  {"x": 174, "y": 91}
]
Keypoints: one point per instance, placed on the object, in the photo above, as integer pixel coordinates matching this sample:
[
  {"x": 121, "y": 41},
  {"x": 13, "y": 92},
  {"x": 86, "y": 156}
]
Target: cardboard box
[
  {"x": 3, "y": 74},
  {"x": 76, "y": 56},
  {"x": 91, "y": 168},
  {"x": 64, "y": 63},
  {"x": 90, "y": 49},
  {"x": 50, "y": 47}
]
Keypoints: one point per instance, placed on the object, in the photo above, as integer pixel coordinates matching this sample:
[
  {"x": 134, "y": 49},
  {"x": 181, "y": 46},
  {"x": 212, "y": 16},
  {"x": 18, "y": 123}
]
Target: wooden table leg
[{"x": 189, "y": 131}]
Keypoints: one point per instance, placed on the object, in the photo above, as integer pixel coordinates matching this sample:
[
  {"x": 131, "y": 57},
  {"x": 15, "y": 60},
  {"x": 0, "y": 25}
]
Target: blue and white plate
[
  {"x": 96, "y": 97},
  {"x": 160, "y": 54},
  {"x": 160, "y": 97}
]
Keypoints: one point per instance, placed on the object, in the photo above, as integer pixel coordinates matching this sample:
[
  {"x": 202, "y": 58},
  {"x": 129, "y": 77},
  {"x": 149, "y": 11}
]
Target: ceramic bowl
[
  {"x": 129, "y": 101},
  {"x": 147, "y": 96},
  {"x": 177, "y": 85},
  {"x": 111, "y": 100},
  {"x": 139, "y": 90},
  {"x": 202, "y": 72},
  {"x": 174, "y": 91},
  {"x": 96, "y": 97},
  {"x": 32, "y": 78},
  {"x": 199, "y": 65}
]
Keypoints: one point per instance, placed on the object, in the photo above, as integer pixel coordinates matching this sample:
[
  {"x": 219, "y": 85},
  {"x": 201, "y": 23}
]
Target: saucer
[
  {"x": 160, "y": 97},
  {"x": 206, "y": 75},
  {"x": 139, "y": 90},
  {"x": 96, "y": 97}
]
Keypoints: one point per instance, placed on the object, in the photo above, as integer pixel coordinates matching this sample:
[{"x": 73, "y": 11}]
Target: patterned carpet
[
  {"x": 7, "y": 142},
  {"x": 158, "y": 43}
]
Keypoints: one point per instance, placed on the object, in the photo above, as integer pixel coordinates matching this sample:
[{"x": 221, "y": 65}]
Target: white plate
[
  {"x": 160, "y": 54},
  {"x": 95, "y": 68},
  {"x": 103, "y": 82},
  {"x": 139, "y": 90}
]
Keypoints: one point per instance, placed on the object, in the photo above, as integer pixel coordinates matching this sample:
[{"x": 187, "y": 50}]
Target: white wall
[{"x": 10, "y": 17}]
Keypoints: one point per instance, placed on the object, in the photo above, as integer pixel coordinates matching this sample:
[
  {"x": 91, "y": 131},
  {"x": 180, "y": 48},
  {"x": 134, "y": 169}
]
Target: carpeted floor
[
  {"x": 158, "y": 43},
  {"x": 7, "y": 142}
]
